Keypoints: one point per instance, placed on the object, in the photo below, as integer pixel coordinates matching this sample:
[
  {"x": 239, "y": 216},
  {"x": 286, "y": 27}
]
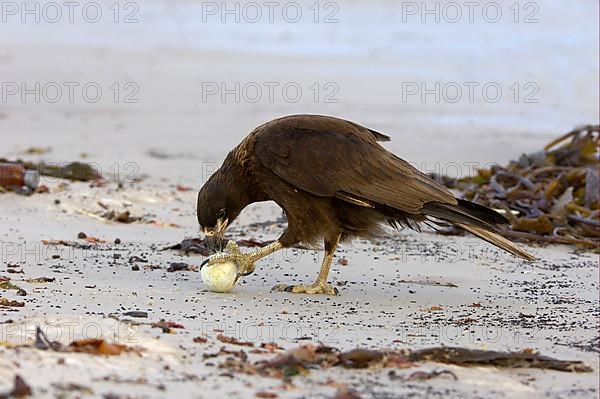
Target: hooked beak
[{"x": 214, "y": 236}]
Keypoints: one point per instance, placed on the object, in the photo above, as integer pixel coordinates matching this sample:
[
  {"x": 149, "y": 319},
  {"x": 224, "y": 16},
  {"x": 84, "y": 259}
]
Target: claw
[
  {"x": 247, "y": 273},
  {"x": 232, "y": 253},
  {"x": 204, "y": 263},
  {"x": 326, "y": 289}
]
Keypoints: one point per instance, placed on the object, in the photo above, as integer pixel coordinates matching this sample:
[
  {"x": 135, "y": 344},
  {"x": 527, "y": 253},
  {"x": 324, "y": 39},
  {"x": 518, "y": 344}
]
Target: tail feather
[
  {"x": 497, "y": 240},
  {"x": 460, "y": 214},
  {"x": 482, "y": 212},
  {"x": 478, "y": 220}
]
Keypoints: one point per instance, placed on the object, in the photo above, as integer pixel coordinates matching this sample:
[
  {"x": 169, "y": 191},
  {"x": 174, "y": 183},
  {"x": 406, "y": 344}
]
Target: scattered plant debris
[
  {"x": 166, "y": 326},
  {"x": 97, "y": 347},
  {"x": 74, "y": 244},
  {"x": 270, "y": 347},
  {"x": 266, "y": 395},
  {"x": 299, "y": 361},
  {"x": 346, "y": 394},
  {"x": 120, "y": 217},
  {"x": 472, "y": 357},
  {"x": 234, "y": 341},
  {"x": 74, "y": 171},
  {"x": 183, "y": 189},
  {"x": 429, "y": 282},
  {"x": 20, "y": 389},
  {"x": 178, "y": 266},
  {"x": 7, "y": 284},
  {"x": 71, "y": 387},
  {"x": 11, "y": 304},
  {"x": 136, "y": 313},
  {"x": 40, "y": 280},
  {"x": 14, "y": 271},
  {"x": 37, "y": 150},
  {"x": 551, "y": 196},
  {"x": 422, "y": 375},
  {"x": 92, "y": 346}
]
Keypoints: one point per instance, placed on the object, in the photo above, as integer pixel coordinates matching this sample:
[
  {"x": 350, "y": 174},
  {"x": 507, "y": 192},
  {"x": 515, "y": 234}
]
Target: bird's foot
[
  {"x": 244, "y": 262},
  {"x": 316, "y": 288}
]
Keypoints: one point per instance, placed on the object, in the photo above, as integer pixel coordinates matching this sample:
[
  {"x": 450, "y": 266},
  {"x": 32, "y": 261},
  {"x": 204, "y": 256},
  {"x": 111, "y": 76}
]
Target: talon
[
  {"x": 279, "y": 287},
  {"x": 238, "y": 277},
  {"x": 307, "y": 289},
  {"x": 204, "y": 263},
  {"x": 244, "y": 262}
]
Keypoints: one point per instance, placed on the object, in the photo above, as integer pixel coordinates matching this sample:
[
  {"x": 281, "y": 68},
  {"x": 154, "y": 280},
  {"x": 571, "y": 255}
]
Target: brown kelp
[{"x": 550, "y": 196}]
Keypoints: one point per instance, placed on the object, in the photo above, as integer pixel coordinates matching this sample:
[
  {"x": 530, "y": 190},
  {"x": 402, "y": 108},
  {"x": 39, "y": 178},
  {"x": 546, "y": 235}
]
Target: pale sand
[{"x": 550, "y": 305}]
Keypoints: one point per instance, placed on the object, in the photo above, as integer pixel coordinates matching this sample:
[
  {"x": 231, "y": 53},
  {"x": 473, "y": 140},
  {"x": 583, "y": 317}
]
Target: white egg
[{"x": 221, "y": 277}]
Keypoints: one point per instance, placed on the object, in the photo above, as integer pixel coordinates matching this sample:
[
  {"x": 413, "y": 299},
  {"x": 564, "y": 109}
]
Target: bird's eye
[{"x": 221, "y": 214}]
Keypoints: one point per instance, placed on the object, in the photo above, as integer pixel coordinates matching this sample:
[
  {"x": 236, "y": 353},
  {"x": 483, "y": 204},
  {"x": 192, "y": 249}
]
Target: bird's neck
[{"x": 238, "y": 181}]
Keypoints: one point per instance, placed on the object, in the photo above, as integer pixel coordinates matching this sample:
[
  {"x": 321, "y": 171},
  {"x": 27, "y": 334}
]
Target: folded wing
[{"x": 331, "y": 157}]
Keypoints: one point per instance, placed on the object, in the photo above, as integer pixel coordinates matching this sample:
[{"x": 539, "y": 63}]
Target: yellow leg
[{"x": 320, "y": 286}]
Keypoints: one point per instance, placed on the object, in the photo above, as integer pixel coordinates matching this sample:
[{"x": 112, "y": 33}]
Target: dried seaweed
[
  {"x": 422, "y": 375},
  {"x": 299, "y": 361},
  {"x": 11, "y": 304},
  {"x": 167, "y": 326},
  {"x": 550, "y": 196},
  {"x": 74, "y": 171},
  {"x": 476, "y": 357},
  {"x": 20, "y": 389},
  {"x": 92, "y": 346}
]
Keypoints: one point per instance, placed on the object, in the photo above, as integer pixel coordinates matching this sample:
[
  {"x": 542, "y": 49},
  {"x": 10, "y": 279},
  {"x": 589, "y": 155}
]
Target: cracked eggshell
[{"x": 221, "y": 277}]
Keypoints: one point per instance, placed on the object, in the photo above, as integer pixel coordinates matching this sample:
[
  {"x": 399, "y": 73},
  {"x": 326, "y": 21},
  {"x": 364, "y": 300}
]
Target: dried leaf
[
  {"x": 97, "y": 347},
  {"x": 9, "y": 303},
  {"x": 40, "y": 280},
  {"x": 266, "y": 394},
  {"x": 234, "y": 341},
  {"x": 20, "y": 389}
]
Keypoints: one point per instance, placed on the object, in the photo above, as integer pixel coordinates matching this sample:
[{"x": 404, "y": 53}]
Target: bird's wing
[{"x": 332, "y": 157}]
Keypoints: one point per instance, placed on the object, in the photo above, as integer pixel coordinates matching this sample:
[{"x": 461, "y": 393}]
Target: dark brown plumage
[{"x": 334, "y": 181}]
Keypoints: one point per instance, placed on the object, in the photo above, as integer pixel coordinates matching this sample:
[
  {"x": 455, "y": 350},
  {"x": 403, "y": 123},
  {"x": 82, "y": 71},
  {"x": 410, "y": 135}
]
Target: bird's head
[{"x": 217, "y": 208}]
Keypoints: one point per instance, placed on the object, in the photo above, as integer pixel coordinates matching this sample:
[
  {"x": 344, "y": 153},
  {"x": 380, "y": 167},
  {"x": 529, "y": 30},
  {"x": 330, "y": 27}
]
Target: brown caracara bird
[{"x": 334, "y": 182}]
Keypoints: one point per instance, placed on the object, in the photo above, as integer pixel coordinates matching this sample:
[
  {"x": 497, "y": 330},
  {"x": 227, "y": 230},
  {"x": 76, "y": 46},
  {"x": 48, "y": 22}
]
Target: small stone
[{"x": 136, "y": 313}]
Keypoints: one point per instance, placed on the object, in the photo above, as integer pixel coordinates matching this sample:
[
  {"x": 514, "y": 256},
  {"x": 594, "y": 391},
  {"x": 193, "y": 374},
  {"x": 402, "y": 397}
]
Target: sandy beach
[{"x": 177, "y": 90}]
